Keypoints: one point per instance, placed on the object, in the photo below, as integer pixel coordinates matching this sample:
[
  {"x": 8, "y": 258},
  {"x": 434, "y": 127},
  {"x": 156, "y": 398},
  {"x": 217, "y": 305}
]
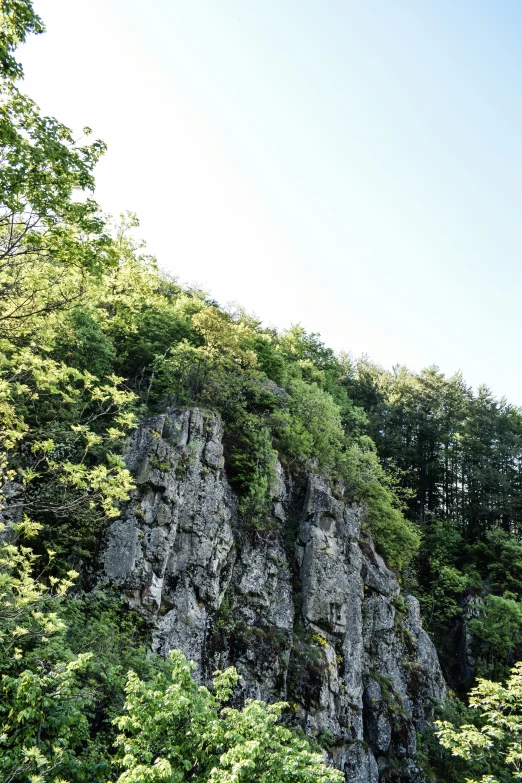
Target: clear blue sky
[{"x": 353, "y": 166}]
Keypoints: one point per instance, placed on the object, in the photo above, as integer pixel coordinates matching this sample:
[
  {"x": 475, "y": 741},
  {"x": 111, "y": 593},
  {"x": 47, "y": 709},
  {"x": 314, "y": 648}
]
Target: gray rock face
[
  {"x": 306, "y": 609},
  {"x": 173, "y": 550}
]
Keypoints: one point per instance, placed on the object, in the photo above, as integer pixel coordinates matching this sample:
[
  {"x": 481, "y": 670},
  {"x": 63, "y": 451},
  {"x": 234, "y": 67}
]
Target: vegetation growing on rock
[{"x": 94, "y": 336}]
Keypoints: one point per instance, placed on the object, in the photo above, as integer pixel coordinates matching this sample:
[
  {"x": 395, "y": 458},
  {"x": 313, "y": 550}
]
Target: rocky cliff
[{"x": 306, "y": 609}]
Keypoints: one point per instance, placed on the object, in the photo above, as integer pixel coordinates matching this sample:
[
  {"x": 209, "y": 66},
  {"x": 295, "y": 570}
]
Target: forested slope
[
  {"x": 457, "y": 455},
  {"x": 95, "y": 337}
]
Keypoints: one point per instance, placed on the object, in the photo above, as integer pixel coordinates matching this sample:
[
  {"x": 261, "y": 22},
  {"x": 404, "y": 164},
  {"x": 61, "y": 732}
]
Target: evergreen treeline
[
  {"x": 93, "y": 336},
  {"x": 458, "y": 457}
]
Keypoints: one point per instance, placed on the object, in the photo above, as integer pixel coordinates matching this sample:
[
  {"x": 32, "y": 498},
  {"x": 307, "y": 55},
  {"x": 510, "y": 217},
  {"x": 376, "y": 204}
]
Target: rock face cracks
[{"x": 306, "y": 610}]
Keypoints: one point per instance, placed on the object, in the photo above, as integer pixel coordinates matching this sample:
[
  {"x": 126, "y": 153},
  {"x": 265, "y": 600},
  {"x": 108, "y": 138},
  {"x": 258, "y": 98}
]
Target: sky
[{"x": 355, "y": 167}]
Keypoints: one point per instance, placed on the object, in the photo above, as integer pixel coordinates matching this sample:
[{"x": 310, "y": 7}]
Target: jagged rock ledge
[{"x": 308, "y": 612}]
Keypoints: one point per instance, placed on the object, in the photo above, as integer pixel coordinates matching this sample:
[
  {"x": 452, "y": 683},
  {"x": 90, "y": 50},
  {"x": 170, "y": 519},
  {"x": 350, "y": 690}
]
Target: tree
[
  {"x": 493, "y": 748},
  {"x": 49, "y": 223},
  {"x": 496, "y": 633},
  {"x": 17, "y": 19},
  {"x": 41, "y": 720},
  {"x": 174, "y": 730}
]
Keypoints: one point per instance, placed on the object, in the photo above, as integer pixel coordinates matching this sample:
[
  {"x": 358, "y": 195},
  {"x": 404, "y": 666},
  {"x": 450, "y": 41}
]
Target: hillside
[{"x": 175, "y": 476}]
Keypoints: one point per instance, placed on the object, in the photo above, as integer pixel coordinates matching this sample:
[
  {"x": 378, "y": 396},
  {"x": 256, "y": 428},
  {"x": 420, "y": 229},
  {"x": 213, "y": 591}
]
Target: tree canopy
[{"x": 493, "y": 748}]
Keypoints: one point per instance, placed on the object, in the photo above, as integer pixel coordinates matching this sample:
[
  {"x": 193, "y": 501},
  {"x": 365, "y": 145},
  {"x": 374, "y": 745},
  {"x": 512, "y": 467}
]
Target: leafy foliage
[
  {"x": 495, "y": 746},
  {"x": 496, "y": 633},
  {"x": 17, "y": 21},
  {"x": 40, "y": 705},
  {"x": 174, "y": 730}
]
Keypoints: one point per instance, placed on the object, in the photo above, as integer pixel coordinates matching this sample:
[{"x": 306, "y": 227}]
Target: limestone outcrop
[{"x": 306, "y": 609}]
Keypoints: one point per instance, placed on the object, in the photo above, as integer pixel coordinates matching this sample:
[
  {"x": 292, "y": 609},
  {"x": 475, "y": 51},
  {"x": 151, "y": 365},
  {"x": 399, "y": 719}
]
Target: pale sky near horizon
[{"x": 352, "y": 166}]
